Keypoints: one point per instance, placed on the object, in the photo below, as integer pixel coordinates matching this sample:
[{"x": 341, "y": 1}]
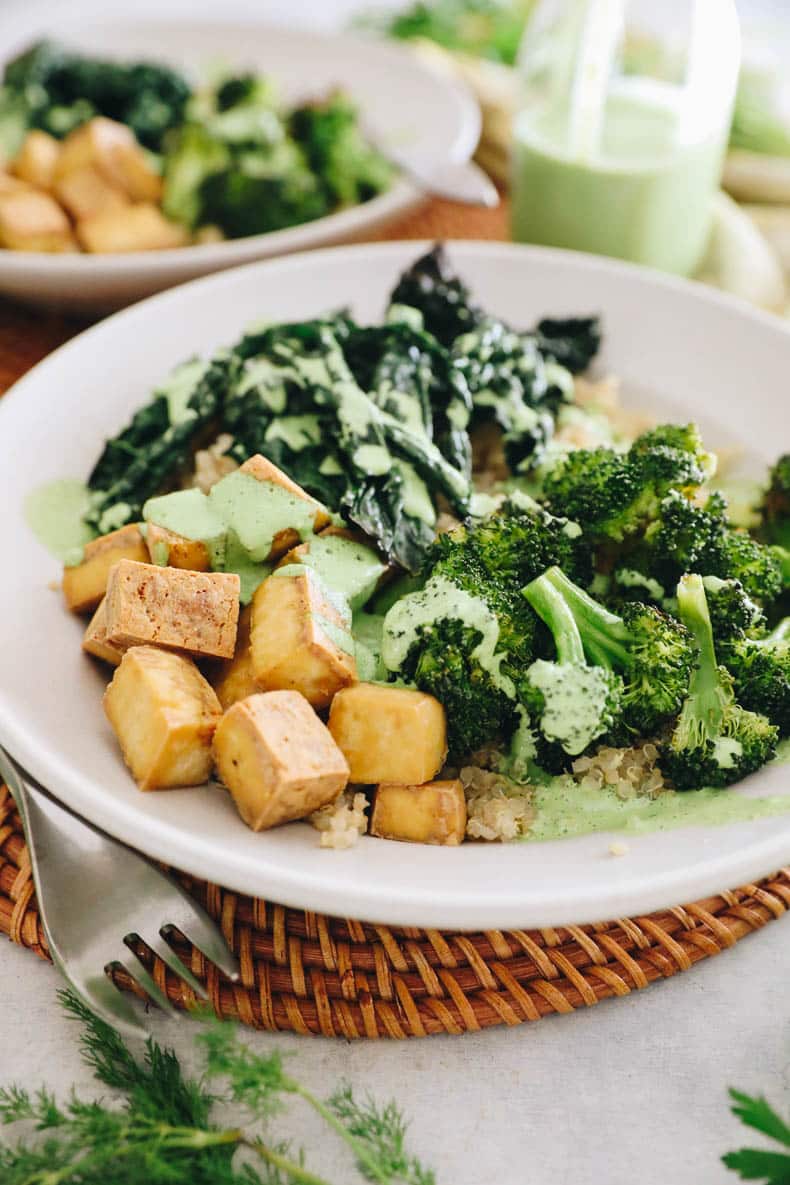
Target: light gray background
[{"x": 632, "y": 1091}]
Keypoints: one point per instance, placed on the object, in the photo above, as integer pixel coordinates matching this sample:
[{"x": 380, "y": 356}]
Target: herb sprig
[
  {"x": 162, "y": 1132},
  {"x": 760, "y": 1164}
]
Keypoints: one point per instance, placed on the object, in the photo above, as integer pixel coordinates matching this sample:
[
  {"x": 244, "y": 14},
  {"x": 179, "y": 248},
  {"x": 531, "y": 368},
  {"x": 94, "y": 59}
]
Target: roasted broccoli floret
[
  {"x": 571, "y": 702},
  {"x": 736, "y": 556},
  {"x": 443, "y": 663},
  {"x": 469, "y": 636},
  {"x": 516, "y": 544},
  {"x": 685, "y": 438},
  {"x": 775, "y": 526},
  {"x": 348, "y": 169},
  {"x": 715, "y": 740},
  {"x": 650, "y": 650},
  {"x": 616, "y": 495},
  {"x": 685, "y": 537},
  {"x": 732, "y": 610},
  {"x": 760, "y": 669}
]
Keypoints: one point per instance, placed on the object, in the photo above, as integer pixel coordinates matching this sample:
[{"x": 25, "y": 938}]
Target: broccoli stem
[
  {"x": 605, "y": 635},
  {"x": 551, "y": 607},
  {"x": 707, "y": 696}
]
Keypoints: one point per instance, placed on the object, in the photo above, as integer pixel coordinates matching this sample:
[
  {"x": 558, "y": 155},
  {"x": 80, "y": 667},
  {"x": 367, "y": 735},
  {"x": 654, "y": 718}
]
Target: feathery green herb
[{"x": 162, "y": 1130}]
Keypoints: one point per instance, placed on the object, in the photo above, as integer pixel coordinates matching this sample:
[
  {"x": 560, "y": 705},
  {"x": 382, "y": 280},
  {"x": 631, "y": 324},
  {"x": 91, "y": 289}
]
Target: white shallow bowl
[
  {"x": 402, "y": 101},
  {"x": 680, "y": 350}
]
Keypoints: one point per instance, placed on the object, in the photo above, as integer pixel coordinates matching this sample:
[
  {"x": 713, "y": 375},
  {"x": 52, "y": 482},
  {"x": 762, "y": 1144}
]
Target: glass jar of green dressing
[{"x": 622, "y": 127}]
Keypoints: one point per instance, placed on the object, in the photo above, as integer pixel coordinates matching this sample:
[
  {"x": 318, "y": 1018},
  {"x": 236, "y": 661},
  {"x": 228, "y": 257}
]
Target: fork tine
[
  {"x": 132, "y": 965},
  {"x": 168, "y": 956},
  {"x": 198, "y": 928}
]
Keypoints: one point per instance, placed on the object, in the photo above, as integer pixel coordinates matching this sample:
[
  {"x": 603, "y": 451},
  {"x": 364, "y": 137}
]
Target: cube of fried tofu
[
  {"x": 263, "y": 470},
  {"x": 164, "y": 714},
  {"x": 111, "y": 148},
  {"x": 176, "y": 551},
  {"x": 300, "y": 640},
  {"x": 37, "y": 158},
  {"x": 33, "y": 221},
  {"x": 389, "y": 734},
  {"x": 277, "y": 759},
  {"x": 85, "y": 192},
  {"x": 85, "y": 584},
  {"x": 95, "y": 640},
  {"x": 433, "y": 813},
  {"x": 141, "y": 227},
  {"x": 193, "y": 611},
  {"x": 9, "y": 184},
  {"x": 233, "y": 679}
]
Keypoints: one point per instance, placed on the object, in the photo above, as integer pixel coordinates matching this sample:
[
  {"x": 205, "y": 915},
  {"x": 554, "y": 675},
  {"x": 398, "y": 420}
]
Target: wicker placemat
[
  {"x": 337, "y": 977},
  {"x": 321, "y": 975}
]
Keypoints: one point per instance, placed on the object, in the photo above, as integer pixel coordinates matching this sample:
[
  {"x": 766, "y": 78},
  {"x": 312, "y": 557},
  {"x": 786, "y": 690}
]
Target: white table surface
[{"x": 631, "y": 1092}]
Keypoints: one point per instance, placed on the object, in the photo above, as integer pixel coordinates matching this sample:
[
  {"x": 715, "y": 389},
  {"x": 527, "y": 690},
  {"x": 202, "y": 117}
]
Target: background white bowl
[
  {"x": 399, "y": 98},
  {"x": 680, "y": 349}
]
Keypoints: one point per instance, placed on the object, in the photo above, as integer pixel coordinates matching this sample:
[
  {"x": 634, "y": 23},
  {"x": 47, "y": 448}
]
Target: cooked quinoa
[
  {"x": 628, "y": 771},
  {"x": 497, "y": 808},
  {"x": 341, "y": 822}
]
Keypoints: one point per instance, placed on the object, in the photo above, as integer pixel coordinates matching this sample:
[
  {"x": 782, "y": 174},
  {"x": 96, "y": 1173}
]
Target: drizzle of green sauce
[
  {"x": 237, "y": 521},
  {"x": 441, "y": 599},
  {"x": 178, "y": 388},
  {"x": 349, "y": 568},
  {"x": 367, "y": 630},
  {"x": 372, "y": 458},
  {"x": 54, "y": 512},
  {"x": 573, "y": 703},
  {"x": 259, "y": 510},
  {"x": 298, "y": 432},
  {"x": 340, "y": 634},
  {"x": 564, "y": 809},
  {"x": 416, "y": 498}
]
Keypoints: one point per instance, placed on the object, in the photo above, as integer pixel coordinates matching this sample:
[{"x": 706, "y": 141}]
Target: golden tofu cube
[
  {"x": 263, "y": 470},
  {"x": 277, "y": 759},
  {"x": 111, "y": 148},
  {"x": 33, "y": 221},
  {"x": 85, "y": 584},
  {"x": 164, "y": 714},
  {"x": 433, "y": 813},
  {"x": 300, "y": 640},
  {"x": 9, "y": 184},
  {"x": 132, "y": 228},
  {"x": 134, "y": 173},
  {"x": 95, "y": 641},
  {"x": 389, "y": 734},
  {"x": 193, "y": 611},
  {"x": 233, "y": 680},
  {"x": 86, "y": 191},
  {"x": 37, "y": 158},
  {"x": 168, "y": 549}
]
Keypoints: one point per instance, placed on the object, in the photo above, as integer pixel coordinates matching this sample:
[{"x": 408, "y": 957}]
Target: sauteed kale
[{"x": 372, "y": 420}]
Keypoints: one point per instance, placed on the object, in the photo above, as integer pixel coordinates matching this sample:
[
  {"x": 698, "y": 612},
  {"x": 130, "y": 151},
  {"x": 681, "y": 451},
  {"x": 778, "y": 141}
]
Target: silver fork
[{"x": 96, "y": 896}]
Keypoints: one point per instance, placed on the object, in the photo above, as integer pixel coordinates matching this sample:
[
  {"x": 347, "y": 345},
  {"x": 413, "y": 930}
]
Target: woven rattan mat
[{"x": 338, "y": 977}]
